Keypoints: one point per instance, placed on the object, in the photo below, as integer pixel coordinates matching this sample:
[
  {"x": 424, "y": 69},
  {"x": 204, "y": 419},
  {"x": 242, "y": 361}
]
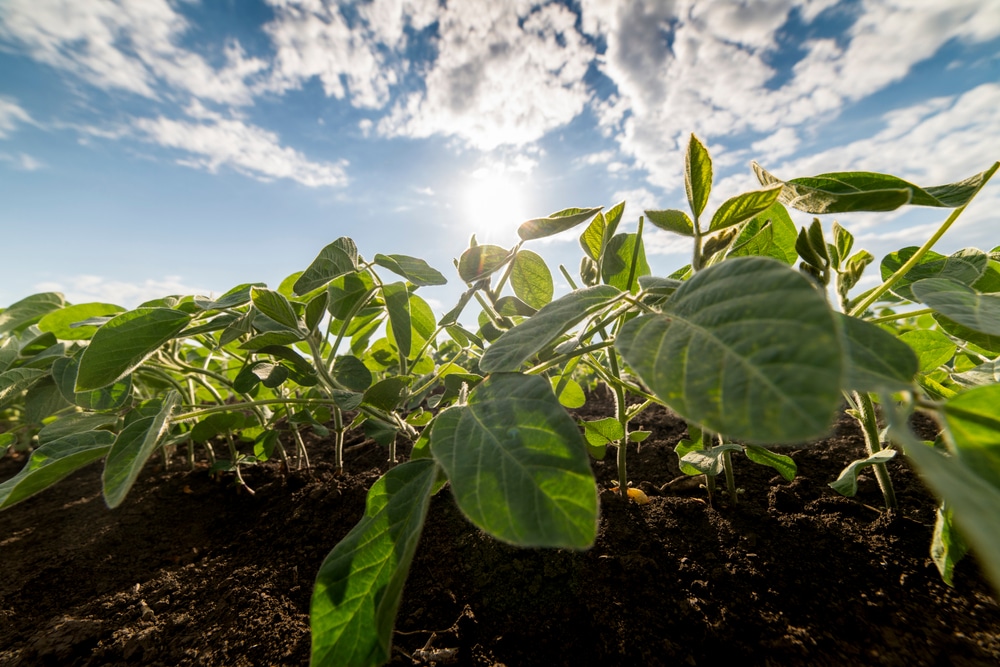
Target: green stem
[
  {"x": 727, "y": 465},
  {"x": 568, "y": 277},
  {"x": 901, "y": 316},
  {"x": 869, "y": 427}
]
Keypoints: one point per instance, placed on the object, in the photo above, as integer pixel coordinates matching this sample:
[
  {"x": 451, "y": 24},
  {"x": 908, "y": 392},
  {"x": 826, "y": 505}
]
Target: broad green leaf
[
  {"x": 697, "y": 175},
  {"x": 747, "y": 348},
  {"x": 29, "y": 310},
  {"x": 847, "y": 483},
  {"x": 517, "y": 464},
  {"x": 9, "y": 350},
  {"x": 511, "y": 306},
  {"x": 932, "y": 347},
  {"x": 569, "y": 392},
  {"x": 672, "y": 220},
  {"x": 555, "y": 223},
  {"x": 682, "y": 449},
  {"x": 352, "y": 373},
  {"x": 519, "y": 344},
  {"x": 111, "y": 397},
  {"x": 947, "y": 545},
  {"x": 531, "y": 279},
  {"x": 316, "y": 310},
  {"x": 15, "y": 381},
  {"x": 417, "y": 271},
  {"x": 387, "y": 394},
  {"x": 271, "y": 338},
  {"x": 709, "y": 461},
  {"x": 275, "y": 306},
  {"x": 601, "y": 432},
  {"x": 43, "y": 400},
  {"x": 876, "y": 360},
  {"x": 618, "y": 262},
  {"x": 53, "y": 461},
  {"x": 983, "y": 374},
  {"x": 866, "y": 191},
  {"x": 72, "y": 424},
  {"x": 972, "y": 420},
  {"x": 132, "y": 449},
  {"x": 592, "y": 240},
  {"x": 964, "y": 266},
  {"x": 237, "y": 296},
  {"x": 783, "y": 464},
  {"x": 986, "y": 341},
  {"x": 334, "y": 260},
  {"x": 360, "y": 583},
  {"x": 214, "y": 425},
  {"x": 61, "y": 322},
  {"x": 480, "y": 261},
  {"x": 347, "y": 291},
  {"x": 990, "y": 280},
  {"x": 769, "y": 234},
  {"x": 639, "y": 436},
  {"x": 742, "y": 207},
  {"x": 973, "y": 500},
  {"x": 958, "y": 302},
  {"x": 125, "y": 342}
]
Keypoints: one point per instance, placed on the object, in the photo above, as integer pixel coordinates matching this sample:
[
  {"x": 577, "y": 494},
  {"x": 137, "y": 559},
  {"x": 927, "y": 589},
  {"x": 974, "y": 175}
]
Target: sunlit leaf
[
  {"x": 480, "y": 261},
  {"x": 60, "y": 322},
  {"x": 334, "y": 260},
  {"x": 555, "y": 223},
  {"x": 742, "y": 207},
  {"x": 416, "y": 270},
  {"x": 531, "y": 279},
  {"x": 697, "y": 175}
]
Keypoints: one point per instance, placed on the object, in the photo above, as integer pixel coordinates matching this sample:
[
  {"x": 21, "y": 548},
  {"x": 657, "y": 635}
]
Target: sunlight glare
[{"x": 493, "y": 204}]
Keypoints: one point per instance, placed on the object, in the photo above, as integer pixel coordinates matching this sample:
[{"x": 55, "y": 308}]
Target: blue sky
[{"x": 155, "y": 147}]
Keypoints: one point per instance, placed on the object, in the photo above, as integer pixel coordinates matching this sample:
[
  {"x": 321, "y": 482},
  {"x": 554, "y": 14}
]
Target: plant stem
[
  {"x": 901, "y": 316},
  {"x": 869, "y": 426},
  {"x": 727, "y": 465}
]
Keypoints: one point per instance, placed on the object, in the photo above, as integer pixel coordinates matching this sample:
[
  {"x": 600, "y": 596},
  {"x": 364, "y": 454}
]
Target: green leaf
[
  {"x": 271, "y": 339},
  {"x": 972, "y": 421},
  {"x": 480, "y": 261},
  {"x": 769, "y": 234},
  {"x": 511, "y": 306},
  {"x": 965, "y": 266},
  {"x": 387, "y": 394},
  {"x": 618, "y": 262},
  {"x": 275, "y": 306},
  {"x": 601, "y": 432},
  {"x": 346, "y": 291},
  {"x": 847, "y": 483},
  {"x": 125, "y": 342},
  {"x": 29, "y": 310},
  {"x": 132, "y": 449},
  {"x": 352, "y": 373},
  {"x": 747, "y": 348},
  {"x": 672, "y": 220},
  {"x": 15, "y": 381},
  {"x": 697, "y": 175},
  {"x": 783, "y": 464},
  {"x": 569, "y": 392},
  {"x": 531, "y": 280},
  {"x": 682, "y": 449},
  {"x": 517, "y": 464},
  {"x": 519, "y": 344},
  {"x": 111, "y": 397},
  {"x": 237, "y": 296},
  {"x": 334, "y": 260},
  {"x": 593, "y": 238},
  {"x": 986, "y": 341},
  {"x": 315, "y": 310},
  {"x": 973, "y": 500},
  {"x": 61, "y": 322},
  {"x": 53, "y": 461},
  {"x": 360, "y": 583},
  {"x": 932, "y": 348},
  {"x": 709, "y": 461},
  {"x": 876, "y": 360},
  {"x": 947, "y": 545},
  {"x": 983, "y": 374},
  {"x": 743, "y": 207},
  {"x": 72, "y": 424},
  {"x": 555, "y": 223},
  {"x": 960, "y": 303},
  {"x": 417, "y": 271},
  {"x": 214, "y": 425},
  {"x": 42, "y": 401}
]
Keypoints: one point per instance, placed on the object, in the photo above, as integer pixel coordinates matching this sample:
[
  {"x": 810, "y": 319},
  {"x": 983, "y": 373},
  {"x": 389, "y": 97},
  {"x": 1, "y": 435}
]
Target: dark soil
[{"x": 192, "y": 570}]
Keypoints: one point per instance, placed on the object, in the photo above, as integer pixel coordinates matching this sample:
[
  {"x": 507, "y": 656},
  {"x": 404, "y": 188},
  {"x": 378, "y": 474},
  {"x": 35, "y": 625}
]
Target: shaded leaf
[
  {"x": 53, "y": 461},
  {"x": 416, "y": 270},
  {"x": 131, "y": 450}
]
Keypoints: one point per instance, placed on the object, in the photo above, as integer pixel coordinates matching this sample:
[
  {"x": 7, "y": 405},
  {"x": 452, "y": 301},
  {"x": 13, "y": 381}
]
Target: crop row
[{"x": 757, "y": 343}]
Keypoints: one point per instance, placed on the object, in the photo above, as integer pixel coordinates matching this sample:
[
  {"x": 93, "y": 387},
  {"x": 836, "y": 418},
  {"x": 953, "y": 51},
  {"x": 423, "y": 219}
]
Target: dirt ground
[{"x": 192, "y": 570}]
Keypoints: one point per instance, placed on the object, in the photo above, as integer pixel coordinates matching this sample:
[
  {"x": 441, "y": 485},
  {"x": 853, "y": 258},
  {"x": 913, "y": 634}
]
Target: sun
[{"x": 493, "y": 203}]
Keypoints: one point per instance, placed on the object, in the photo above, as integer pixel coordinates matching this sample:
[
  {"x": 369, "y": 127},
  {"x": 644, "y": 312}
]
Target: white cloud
[
  {"x": 23, "y": 161},
  {"x": 130, "y": 45},
  {"x": 505, "y": 74},
  {"x": 248, "y": 149},
  {"x": 706, "y": 67},
  {"x": 11, "y": 114},
  {"x": 89, "y": 288}
]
